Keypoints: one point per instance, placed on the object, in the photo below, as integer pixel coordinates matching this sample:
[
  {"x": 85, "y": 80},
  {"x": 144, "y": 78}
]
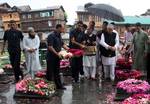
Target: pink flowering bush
[
  {"x": 134, "y": 86},
  {"x": 123, "y": 63},
  {"x": 64, "y": 63},
  {"x": 138, "y": 99},
  {"x": 125, "y": 74},
  {"x": 35, "y": 86},
  {"x": 22, "y": 85}
]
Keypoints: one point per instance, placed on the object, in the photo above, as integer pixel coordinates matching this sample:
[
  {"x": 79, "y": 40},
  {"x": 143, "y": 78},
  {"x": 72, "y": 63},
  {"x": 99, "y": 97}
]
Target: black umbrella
[{"x": 106, "y": 11}]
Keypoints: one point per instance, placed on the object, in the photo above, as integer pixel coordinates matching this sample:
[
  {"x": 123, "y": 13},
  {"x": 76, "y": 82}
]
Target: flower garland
[
  {"x": 138, "y": 99},
  {"x": 76, "y": 52},
  {"x": 134, "y": 86},
  {"x": 35, "y": 86},
  {"x": 125, "y": 74}
]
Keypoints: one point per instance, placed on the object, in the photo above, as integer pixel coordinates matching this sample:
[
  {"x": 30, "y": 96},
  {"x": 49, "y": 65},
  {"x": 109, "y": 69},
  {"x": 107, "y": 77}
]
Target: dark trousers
[
  {"x": 81, "y": 69},
  {"x": 148, "y": 67},
  {"x": 52, "y": 74},
  {"x": 77, "y": 67},
  {"x": 15, "y": 58}
]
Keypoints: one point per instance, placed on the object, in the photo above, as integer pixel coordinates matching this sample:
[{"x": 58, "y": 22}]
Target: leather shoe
[{"x": 61, "y": 88}]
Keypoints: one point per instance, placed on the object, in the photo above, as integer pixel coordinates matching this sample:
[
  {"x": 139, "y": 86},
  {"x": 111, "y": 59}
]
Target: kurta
[
  {"x": 109, "y": 60},
  {"x": 32, "y": 59},
  {"x": 140, "y": 47},
  {"x": 109, "y": 57},
  {"x": 128, "y": 37},
  {"x": 89, "y": 60}
]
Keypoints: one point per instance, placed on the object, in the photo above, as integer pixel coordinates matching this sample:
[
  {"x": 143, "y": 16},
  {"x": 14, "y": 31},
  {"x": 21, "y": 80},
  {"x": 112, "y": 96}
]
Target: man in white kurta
[
  {"x": 31, "y": 47},
  {"x": 89, "y": 58},
  {"x": 110, "y": 45}
]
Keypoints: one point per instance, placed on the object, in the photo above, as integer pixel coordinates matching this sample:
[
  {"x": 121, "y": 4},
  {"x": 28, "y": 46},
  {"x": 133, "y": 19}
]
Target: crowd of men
[{"x": 100, "y": 48}]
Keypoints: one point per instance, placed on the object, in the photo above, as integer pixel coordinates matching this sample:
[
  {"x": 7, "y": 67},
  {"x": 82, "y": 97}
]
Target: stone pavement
[{"x": 85, "y": 92}]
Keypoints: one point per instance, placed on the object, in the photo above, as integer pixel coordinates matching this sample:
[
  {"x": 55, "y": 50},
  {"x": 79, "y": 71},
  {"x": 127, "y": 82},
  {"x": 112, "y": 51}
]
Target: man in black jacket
[
  {"x": 76, "y": 42},
  {"x": 14, "y": 37},
  {"x": 55, "y": 44}
]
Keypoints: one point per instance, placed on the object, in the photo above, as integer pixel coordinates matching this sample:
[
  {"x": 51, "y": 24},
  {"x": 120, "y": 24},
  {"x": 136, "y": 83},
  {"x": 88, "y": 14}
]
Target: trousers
[
  {"x": 89, "y": 71},
  {"x": 15, "y": 58},
  {"x": 53, "y": 71},
  {"x": 77, "y": 67},
  {"x": 109, "y": 71}
]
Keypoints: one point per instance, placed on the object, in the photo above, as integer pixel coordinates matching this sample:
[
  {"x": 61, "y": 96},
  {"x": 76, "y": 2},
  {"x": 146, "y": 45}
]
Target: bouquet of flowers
[
  {"x": 138, "y": 99},
  {"x": 125, "y": 74},
  {"x": 64, "y": 63},
  {"x": 65, "y": 54},
  {"x": 36, "y": 86},
  {"x": 40, "y": 74},
  {"x": 134, "y": 86},
  {"x": 76, "y": 52}
]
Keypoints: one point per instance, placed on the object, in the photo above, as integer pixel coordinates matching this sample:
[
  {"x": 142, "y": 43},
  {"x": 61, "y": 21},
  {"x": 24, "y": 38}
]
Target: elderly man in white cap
[
  {"x": 109, "y": 42},
  {"x": 31, "y": 46}
]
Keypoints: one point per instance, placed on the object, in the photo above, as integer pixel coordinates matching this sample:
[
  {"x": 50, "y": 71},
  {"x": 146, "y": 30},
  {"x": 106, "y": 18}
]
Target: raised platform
[
  {"x": 121, "y": 97},
  {"x": 4, "y": 79},
  {"x": 31, "y": 96}
]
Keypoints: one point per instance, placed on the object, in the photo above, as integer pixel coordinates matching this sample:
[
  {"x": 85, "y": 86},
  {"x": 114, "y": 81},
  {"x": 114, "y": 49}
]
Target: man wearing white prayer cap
[{"x": 31, "y": 47}]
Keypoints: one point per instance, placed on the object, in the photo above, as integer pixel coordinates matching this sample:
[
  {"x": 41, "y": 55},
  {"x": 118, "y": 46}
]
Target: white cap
[{"x": 30, "y": 29}]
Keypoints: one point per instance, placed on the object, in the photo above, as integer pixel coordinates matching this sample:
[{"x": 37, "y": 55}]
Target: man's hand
[
  {"x": 112, "y": 48},
  {"x": 30, "y": 50},
  {"x": 33, "y": 50},
  {"x": 82, "y": 46},
  {"x": 109, "y": 47},
  {"x": 66, "y": 47}
]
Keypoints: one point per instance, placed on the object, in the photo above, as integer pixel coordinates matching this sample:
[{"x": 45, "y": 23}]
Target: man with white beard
[
  {"x": 31, "y": 45},
  {"x": 109, "y": 41}
]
